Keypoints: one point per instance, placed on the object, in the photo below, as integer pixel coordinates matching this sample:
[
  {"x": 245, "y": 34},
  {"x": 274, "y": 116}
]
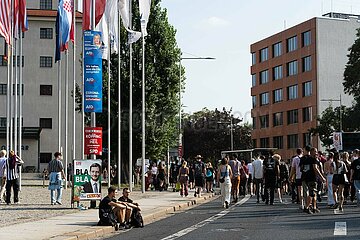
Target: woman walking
[
  {"x": 209, "y": 177},
  {"x": 224, "y": 178},
  {"x": 339, "y": 180},
  {"x": 183, "y": 179}
]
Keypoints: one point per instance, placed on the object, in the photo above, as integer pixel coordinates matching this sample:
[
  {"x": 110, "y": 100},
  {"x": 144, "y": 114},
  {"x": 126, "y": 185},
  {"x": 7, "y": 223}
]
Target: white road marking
[
  {"x": 340, "y": 229},
  {"x": 205, "y": 222}
]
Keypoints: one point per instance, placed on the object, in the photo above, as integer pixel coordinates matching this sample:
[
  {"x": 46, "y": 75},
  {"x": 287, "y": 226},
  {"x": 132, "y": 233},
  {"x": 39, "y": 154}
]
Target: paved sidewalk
[{"x": 82, "y": 224}]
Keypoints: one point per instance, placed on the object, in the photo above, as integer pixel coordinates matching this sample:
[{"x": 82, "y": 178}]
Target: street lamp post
[
  {"x": 180, "y": 148},
  {"x": 231, "y": 132},
  {"x": 340, "y": 112}
]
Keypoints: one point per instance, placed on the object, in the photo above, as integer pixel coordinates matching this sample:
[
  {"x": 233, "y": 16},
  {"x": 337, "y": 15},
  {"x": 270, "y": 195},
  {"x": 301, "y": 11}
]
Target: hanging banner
[
  {"x": 337, "y": 141},
  {"x": 87, "y": 179},
  {"x": 92, "y": 71},
  {"x": 93, "y": 140}
]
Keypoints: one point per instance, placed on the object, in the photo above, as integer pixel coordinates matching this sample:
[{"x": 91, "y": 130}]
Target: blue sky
[{"x": 224, "y": 29}]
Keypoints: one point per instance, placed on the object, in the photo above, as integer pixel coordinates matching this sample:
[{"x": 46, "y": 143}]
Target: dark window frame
[
  {"x": 44, "y": 91},
  {"x": 45, "y": 123}
]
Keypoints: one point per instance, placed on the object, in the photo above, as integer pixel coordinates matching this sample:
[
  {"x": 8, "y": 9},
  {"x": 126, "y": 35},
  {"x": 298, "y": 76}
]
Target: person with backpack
[
  {"x": 199, "y": 173},
  {"x": 283, "y": 183},
  {"x": 111, "y": 213},
  {"x": 133, "y": 216},
  {"x": 235, "y": 165},
  {"x": 224, "y": 178},
  {"x": 271, "y": 175},
  {"x": 339, "y": 180},
  {"x": 209, "y": 176}
]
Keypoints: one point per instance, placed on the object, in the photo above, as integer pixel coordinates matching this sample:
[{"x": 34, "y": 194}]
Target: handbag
[{"x": 222, "y": 180}]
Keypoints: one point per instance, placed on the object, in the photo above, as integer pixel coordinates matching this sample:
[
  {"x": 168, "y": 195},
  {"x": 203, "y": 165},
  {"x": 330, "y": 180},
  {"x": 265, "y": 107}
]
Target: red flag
[
  {"x": 5, "y": 25},
  {"x": 23, "y": 16},
  {"x": 99, "y": 11}
]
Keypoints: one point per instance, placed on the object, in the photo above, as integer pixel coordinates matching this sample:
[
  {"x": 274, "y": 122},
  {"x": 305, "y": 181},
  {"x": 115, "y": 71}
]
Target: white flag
[
  {"x": 144, "y": 6},
  {"x": 133, "y": 36}
]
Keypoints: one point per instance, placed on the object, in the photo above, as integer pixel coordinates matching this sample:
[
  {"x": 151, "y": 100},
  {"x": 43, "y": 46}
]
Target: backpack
[
  {"x": 284, "y": 172},
  {"x": 209, "y": 173},
  {"x": 107, "y": 218},
  {"x": 199, "y": 166},
  {"x": 136, "y": 219}
]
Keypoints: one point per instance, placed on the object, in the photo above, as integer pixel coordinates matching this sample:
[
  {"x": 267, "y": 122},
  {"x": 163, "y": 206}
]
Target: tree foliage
[
  {"x": 207, "y": 133},
  {"x": 352, "y": 70}
]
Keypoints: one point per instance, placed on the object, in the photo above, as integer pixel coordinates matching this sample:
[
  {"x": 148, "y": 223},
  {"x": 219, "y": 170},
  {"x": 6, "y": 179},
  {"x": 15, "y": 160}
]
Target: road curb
[{"x": 100, "y": 231}]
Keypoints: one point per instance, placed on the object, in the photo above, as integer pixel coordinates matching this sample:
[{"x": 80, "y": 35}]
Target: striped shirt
[
  {"x": 2, "y": 166},
  {"x": 11, "y": 173},
  {"x": 55, "y": 166}
]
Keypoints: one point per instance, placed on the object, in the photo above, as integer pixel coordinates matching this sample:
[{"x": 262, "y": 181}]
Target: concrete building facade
[
  {"x": 40, "y": 89},
  {"x": 296, "y": 74}
]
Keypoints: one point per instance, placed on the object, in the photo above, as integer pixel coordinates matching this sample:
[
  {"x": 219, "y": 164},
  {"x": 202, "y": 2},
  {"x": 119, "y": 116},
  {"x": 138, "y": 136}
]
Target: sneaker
[
  {"x": 341, "y": 209},
  {"x": 58, "y": 202},
  {"x": 335, "y": 206},
  {"x": 124, "y": 226},
  {"x": 316, "y": 210},
  {"x": 116, "y": 227},
  {"x": 226, "y": 204},
  {"x": 306, "y": 210}
]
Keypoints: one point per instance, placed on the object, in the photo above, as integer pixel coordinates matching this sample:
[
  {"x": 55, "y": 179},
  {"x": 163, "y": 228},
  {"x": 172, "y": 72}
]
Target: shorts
[
  {"x": 310, "y": 188},
  {"x": 235, "y": 183},
  {"x": 250, "y": 180},
  {"x": 298, "y": 182},
  {"x": 338, "y": 179},
  {"x": 199, "y": 181}
]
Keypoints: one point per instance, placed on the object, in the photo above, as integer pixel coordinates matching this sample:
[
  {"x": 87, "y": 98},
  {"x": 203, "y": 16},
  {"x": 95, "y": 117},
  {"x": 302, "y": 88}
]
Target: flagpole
[
  {"x": 143, "y": 114},
  {"x": 59, "y": 104},
  {"x": 20, "y": 97},
  {"x": 66, "y": 113},
  {"x": 93, "y": 114},
  {"x": 130, "y": 102},
  {"x": 109, "y": 105},
  {"x": 8, "y": 98},
  {"x": 119, "y": 101},
  {"x": 11, "y": 60},
  {"x": 15, "y": 95}
]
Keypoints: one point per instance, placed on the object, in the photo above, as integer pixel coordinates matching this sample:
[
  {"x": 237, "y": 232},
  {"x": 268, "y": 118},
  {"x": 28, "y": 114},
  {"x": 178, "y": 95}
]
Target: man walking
[
  {"x": 56, "y": 170},
  {"x": 235, "y": 180},
  {"x": 328, "y": 169},
  {"x": 2, "y": 174},
  {"x": 12, "y": 176},
  {"x": 199, "y": 173},
  {"x": 271, "y": 175},
  {"x": 355, "y": 174},
  {"x": 295, "y": 176},
  {"x": 258, "y": 176}
]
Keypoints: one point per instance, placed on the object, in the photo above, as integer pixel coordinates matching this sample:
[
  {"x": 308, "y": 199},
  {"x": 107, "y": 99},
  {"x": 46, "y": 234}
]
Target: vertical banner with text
[
  {"x": 93, "y": 140},
  {"x": 87, "y": 179},
  {"x": 92, "y": 71}
]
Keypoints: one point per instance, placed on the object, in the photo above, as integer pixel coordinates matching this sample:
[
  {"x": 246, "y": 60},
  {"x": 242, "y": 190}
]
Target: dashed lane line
[{"x": 204, "y": 222}]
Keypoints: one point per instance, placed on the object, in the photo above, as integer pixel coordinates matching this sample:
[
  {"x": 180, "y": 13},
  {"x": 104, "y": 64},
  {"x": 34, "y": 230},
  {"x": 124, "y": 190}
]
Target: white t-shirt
[
  {"x": 258, "y": 169},
  {"x": 295, "y": 164},
  {"x": 250, "y": 168}
]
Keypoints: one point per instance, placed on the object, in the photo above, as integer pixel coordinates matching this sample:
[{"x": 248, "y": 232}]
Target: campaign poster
[
  {"x": 92, "y": 71},
  {"x": 337, "y": 141},
  {"x": 87, "y": 179},
  {"x": 93, "y": 140}
]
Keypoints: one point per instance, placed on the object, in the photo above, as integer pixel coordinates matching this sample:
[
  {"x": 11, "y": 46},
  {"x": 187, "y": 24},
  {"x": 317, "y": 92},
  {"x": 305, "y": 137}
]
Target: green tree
[
  {"x": 352, "y": 70},
  {"x": 162, "y": 89},
  {"x": 207, "y": 133}
]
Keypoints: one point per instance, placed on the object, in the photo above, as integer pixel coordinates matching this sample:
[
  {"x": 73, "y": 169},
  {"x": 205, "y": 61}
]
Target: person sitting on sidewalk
[
  {"x": 132, "y": 214},
  {"x": 112, "y": 212}
]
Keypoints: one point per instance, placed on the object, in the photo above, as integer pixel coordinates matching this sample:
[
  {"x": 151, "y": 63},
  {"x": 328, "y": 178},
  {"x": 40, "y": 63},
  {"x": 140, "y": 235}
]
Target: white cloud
[{"x": 214, "y": 22}]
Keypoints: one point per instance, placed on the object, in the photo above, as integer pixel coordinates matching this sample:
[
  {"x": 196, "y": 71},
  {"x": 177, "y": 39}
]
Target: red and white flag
[
  {"x": 99, "y": 11},
  {"x": 5, "y": 24}
]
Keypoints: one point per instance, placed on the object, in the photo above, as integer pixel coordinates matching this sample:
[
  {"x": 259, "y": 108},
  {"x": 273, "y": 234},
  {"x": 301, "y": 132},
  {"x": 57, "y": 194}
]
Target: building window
[
  {"x": 46, "y": 61},
  {"x": 18, "y": 61},
  {"x": 18, "y": 89},
  {"x": 253, "y": 101},
  {"x": 277, "y": 72},
  {"x": 3, "y": 60},
  {"x": 46, "y": 33},
  {"x": 277, "y": 119},
  {"x": 254, "y": 122},
  {"x": 264, "y": 77},
  {"x": 46, "y": 123},
  {"x": 306, "y": 38},
  {"x": 278, "y": 95},
  {"x": 264, "y": 121},
  {"x": 306, "y": 139},
  {"x": 3, "y": 89},
  {"x": 292, "y": 68},
  {"x": 253, "y": 79},
  {"x": 264, "y": 142},
  {"x": 264, "y": 54},
  {"x": 307, "y": 89},
  {"x": 291, "y": 44},
  {"x": 277, "y": 49},
  {"x": 254, "y": 142},
  {"x": 293, "y": 141},
  {"x": 2, "y": 121},
  {"x": 253, "y": 58},
  {"x": 306, "y": 64},
  {"x": 46, "y": 4},
  {"x": 307, "y": 114},
  {"x": 264, "y": 99},
  {"x": 292, "y": 116},
  {"x": 292, "y": 92},
  {"x": 278, "y": 142},
  {"x": 45, "y": 157},
  {"x": 46, "y": 90}
]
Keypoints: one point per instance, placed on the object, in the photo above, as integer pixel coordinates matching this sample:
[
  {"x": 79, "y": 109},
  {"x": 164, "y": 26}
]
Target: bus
[{"x": 248, "y": 154}]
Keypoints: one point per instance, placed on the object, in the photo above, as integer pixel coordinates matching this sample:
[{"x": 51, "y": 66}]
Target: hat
[{"x": 198, "y": 157}]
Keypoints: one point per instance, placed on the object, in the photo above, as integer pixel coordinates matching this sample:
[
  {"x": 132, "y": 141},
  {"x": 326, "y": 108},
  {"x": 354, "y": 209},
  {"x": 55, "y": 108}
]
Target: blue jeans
[
  {"x": 58, "y": 195},
  {"x": 357, "y": 186},
  {"x": 331, "y": 200}
]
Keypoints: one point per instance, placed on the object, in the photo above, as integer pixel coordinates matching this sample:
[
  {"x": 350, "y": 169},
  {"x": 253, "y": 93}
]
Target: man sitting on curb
[
  {"x": 132, "y": 211},
  {"x": 111, "y": 212}
]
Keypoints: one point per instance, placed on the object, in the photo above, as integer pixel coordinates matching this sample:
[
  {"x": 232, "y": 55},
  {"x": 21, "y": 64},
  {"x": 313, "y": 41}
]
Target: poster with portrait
[
  {"x": 337, "y": 141},
  {"x": 87, "y": 179}
]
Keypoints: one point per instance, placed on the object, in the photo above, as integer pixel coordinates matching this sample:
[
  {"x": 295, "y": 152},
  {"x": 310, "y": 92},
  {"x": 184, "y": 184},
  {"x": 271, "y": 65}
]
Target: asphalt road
[{"x": 249, "y": 220}]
